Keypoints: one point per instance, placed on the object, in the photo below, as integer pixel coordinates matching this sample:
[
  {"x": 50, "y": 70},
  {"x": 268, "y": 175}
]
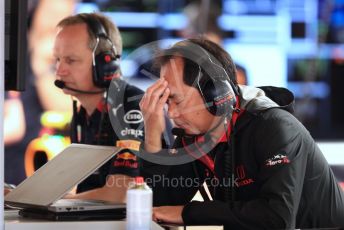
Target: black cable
[
  {"x": 102, "y": 120},
  {"x": 74, "y": 128},
  {"x": 229, "y": 166},
  {"x": 233, "y": 165},
  {"x": 227, "y": 169}
]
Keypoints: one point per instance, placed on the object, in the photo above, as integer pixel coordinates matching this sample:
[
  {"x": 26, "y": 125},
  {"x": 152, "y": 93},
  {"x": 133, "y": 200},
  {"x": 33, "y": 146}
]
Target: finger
[
  {"x": 156, "y": 85},
  {"x": 163, "y": 99},
  {"x": 147, "y": 96},
  {"x": 142, "y": 100},
  {"x": 154, "y": 217},
  {"x": 158, "y": 217},
  {"x": 156, "y": 96},
  {"x": 155, "y": 213}
]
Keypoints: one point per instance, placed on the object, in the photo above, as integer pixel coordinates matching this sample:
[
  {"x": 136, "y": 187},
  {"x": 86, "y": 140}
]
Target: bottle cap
[{"x": 139, "y": 180}]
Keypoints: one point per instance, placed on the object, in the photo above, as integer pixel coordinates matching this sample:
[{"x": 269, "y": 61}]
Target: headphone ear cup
[
  {"x": 208, "y": 92},
  {"x": 218, "y": 96},
  {"x": 106, "y": 65}
]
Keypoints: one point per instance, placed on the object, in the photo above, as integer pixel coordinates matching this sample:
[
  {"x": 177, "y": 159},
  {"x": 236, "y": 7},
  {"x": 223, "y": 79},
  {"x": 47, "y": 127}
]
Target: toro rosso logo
[
  {"x": 133, "y": 117},
  {"x": 277, "y": 160}
]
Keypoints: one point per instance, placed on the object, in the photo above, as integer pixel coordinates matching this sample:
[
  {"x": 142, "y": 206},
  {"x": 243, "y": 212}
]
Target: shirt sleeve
[
  {"x": 281, "y": 145},
  {"x": 129, "y": 130}
]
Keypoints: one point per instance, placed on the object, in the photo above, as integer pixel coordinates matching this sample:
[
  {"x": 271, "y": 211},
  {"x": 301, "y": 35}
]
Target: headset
[
  {"x": 216, "y": 88},
  {"x": 219, "y": 95},
  {"x": 104, "y": 64}
]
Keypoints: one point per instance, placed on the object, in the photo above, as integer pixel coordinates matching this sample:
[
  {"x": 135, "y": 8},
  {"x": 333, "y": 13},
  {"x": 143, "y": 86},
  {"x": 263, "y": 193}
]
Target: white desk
[{"x": 15, "y": 222}]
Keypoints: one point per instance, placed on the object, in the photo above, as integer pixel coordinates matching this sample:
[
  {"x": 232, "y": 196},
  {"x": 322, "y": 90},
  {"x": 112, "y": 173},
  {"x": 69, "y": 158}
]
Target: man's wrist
[
  {"x": 152, "y": 142},
  {"x": 152, "y": 147}
]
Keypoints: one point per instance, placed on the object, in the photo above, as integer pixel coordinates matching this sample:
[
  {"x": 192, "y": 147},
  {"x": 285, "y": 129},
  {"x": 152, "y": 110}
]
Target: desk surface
[{"x": 14, "y": 221}]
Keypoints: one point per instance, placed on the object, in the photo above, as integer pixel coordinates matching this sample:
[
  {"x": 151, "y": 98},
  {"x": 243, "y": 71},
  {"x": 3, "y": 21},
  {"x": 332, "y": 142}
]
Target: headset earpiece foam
[{"x": 106, "y": 65}]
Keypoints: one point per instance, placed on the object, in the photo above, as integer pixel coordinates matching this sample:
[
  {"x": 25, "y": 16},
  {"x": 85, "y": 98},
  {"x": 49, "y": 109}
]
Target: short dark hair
[{"x": 191, "y": 69}]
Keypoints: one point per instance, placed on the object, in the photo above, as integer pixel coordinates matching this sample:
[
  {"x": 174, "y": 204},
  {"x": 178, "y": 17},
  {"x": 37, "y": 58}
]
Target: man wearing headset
[
  {"x": 269, "y": 173},
  {"x": 87, "y": 49}
]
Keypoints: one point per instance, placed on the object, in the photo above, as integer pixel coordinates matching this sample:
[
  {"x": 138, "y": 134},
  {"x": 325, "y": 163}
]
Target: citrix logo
[{"x": 133, "y": 132}]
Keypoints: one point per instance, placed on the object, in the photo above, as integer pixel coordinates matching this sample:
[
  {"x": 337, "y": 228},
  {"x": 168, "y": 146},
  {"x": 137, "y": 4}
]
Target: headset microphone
[{"x": 61, "y": 85}]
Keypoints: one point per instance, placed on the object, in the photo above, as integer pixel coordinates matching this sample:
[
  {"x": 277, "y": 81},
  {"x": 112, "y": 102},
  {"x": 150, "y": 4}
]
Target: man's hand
[
  {"x": 152, "y": 107},
  {"x": 168, "y": 214},
  {"x": 7, "y": 190}
]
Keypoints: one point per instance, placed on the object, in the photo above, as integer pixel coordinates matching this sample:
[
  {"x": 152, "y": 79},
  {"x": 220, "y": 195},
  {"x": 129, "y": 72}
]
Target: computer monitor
[{"x": 15, "y": 44}]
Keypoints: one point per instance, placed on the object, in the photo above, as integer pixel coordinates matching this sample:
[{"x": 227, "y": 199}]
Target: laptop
[{"x": 41, "y": 193}]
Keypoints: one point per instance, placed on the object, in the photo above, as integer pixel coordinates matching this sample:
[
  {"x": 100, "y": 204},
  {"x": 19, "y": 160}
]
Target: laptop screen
[{"x": 60, "y": 175}]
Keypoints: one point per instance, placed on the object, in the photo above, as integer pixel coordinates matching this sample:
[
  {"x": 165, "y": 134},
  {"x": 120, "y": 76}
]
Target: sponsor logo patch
[
  {"x": 114, "y": 110},
  {"x": 129, "y": 144},
  {"x": 126, "y": 164},
  {"x": 132, "y": 132},
  {"x": 126, "y": 159},
  {"x": 277, "y": 160},
  {"x": 126, "y": 156},
  {"x": 133, "y": 117},
  {"x": 241, "y": 179}
]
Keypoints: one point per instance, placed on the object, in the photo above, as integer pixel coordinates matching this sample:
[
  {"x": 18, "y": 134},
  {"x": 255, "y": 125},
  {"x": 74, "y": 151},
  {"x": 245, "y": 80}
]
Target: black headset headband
[
  {"x": 201, "y": 57},
  {"x": 99, "y": 31},
  {"x": 94, "y": 25}
]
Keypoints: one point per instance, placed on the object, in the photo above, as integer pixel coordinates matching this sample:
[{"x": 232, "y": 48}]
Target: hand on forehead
[{"x": 172, "y": 72}]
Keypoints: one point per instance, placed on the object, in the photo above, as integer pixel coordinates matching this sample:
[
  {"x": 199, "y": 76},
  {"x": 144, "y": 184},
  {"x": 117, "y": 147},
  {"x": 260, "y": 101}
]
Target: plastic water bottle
[{"x": 139, "y": 206}]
